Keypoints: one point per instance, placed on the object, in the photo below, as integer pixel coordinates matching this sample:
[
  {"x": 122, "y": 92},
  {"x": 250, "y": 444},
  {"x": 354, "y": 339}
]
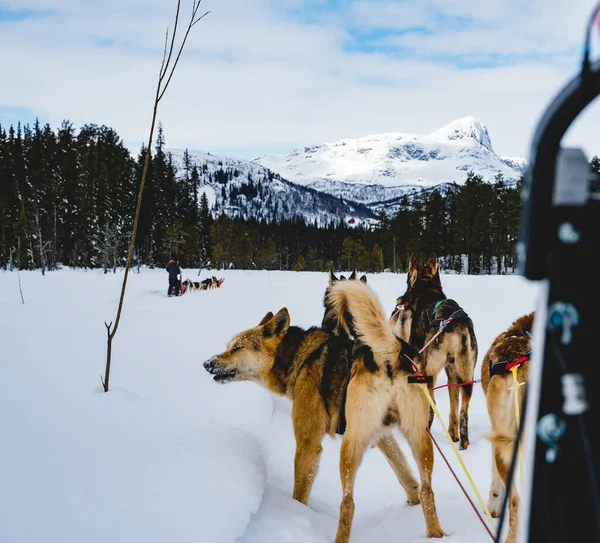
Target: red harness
[{"x": 503, "y": 367}]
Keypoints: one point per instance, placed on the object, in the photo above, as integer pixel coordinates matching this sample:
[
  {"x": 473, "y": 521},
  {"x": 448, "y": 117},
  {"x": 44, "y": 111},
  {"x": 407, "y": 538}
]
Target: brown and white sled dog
[
  {"x": 311, "y": 366},
  {"x": 510, "y": 349},
  {"x": 417, "y": 318}
]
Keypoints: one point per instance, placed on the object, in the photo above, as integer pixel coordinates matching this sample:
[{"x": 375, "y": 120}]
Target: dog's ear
[
  {"x": 332, "y": 277},
  {"x": 432, "y": 263},
  {"x": 266, "y": 318},
  {"x": 363, "y": 278},
  {"x": 352, "y": 275},
  {"x": 278, "y": 324},
  {"x": 412, "y": 277},
  {"x": 412, "y": 266}
]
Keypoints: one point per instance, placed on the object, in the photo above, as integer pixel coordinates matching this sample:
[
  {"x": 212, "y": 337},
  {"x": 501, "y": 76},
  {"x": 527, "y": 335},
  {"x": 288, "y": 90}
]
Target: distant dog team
[{"x": 206, "y": 284}]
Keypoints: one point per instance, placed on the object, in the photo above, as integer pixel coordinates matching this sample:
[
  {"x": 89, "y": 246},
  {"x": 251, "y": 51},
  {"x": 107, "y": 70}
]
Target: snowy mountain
[
  {"x": 350, "y": 178},
  {"x": 381, "y": 168},
  {"x": 241, "y": 188}
]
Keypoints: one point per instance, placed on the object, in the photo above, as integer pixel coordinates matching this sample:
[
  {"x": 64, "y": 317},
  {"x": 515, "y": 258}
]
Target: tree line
[{"x": 68, "y": 196}]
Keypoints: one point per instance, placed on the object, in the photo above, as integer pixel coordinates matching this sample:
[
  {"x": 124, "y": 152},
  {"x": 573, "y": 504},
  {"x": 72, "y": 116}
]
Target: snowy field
[{"x": 170, "y": 456}]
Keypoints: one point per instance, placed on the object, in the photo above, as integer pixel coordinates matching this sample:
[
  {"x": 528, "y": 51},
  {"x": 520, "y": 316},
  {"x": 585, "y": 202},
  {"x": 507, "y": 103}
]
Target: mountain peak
[
  {"x": 380, "y": 168},
  {"x": 466, "y": 127}
]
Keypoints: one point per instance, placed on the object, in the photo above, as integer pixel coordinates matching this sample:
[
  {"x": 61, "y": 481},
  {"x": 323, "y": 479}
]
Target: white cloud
[{"x": 253, "y": 78}]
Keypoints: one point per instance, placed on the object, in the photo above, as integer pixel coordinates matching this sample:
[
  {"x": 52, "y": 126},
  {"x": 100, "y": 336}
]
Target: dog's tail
[{"x": 360, "y": 312}]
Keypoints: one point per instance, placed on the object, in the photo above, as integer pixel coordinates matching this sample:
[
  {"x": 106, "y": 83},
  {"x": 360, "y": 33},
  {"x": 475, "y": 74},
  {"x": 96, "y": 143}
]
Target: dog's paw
[
  {"x": 437, "y": 533},
  {"x": 494, "y": 506}
]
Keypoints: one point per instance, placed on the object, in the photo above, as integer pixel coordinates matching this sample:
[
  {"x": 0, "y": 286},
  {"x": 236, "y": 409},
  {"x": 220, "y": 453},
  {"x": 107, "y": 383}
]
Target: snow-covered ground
[{"x": 168, "y": 455}]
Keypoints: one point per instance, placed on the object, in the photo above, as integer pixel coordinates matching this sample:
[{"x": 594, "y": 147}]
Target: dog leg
[
  {"x": 422, "y": 448},
  {"x": 365, "y": 410},
  {"x": 513, "y": 505},
  {"x": 395, "y": 457},
  {"x": 351, "y": 456},
  {"x": 309, "y": 433},
  {"x": 453, "y": 395},
  {"x": 306, "y": 466},
  {"x": 466, "y": 392},
  {"x": 497, "y": 489}
]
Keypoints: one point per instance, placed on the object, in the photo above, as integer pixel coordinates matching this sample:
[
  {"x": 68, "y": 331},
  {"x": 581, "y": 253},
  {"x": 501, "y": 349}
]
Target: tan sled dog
[
  {"x": 380, "y": 398},
  {"x": 510, "y": 349},
  {"x": 311, "y": 367},
  {"x": 417, "y": 318}
]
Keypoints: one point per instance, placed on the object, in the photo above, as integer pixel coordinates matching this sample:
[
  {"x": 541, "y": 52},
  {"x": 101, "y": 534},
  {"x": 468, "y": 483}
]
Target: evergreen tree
[
  {"x": 313, "y": 260},
  {"x": 222, "y": 236},
  {"x": 299, "y": 264},
  {"x": 22, "y": 250},
  {"x": 205, "y": 222},
  {"x": 173, "y": 242},
  {"x": 348, "y": 251},
  {"x": 267, "y": 256},
  {"x": 376, "y": 259}
]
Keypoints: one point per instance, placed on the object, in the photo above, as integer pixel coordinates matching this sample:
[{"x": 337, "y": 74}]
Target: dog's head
[
  {"x": 331, "y": 322},
  {"x": 401, "y": 317},
  {"x": 250, "y": 354},
  {"x": 333, "y": 278},
  {"x": 423, "y": 276},
  {"x": 220, "y": 282}
]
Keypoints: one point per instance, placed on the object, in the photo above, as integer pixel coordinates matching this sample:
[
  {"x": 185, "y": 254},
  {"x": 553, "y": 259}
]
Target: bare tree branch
[
  {"x": 199, "y": 19},
  {"x": 172, "y": 41},
  {"x": 160, "y": 91},
  {"x": 193, "y": 21},
  {"x": 164, "y": 58},
  {"x": 20, "y": 288}
]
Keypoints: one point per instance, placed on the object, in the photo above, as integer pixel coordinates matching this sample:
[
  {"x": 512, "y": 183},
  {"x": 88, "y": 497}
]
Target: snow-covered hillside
[
  {"x": 381, "y": 167},
  {"x": 246, "y": 189},
  {"x": 242, "y": 188}
]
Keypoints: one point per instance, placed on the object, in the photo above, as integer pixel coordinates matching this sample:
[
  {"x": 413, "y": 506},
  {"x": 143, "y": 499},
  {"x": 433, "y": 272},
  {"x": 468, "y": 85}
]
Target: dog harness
[
  {"x": 341, "y": 427},
  {"x": 503, "y": 367},
  {"x": 442, "y": 323},
  {"x": 398, "y": 308}
]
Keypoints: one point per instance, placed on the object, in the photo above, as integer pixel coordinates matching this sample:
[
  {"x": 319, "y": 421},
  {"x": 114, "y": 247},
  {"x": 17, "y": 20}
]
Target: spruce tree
[
  {"x": 22, "y": 250},
  {"x": 205, "y": 239}
]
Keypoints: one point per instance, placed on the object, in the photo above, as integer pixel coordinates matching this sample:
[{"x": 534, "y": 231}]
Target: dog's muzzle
[
  {"x": 210, "y": 364},
  {"x": 221, "y": 375}
]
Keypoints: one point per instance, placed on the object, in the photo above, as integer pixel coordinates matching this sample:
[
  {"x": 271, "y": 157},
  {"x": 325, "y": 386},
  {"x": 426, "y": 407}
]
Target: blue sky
[
  {"x": 11, "y": 15},
  {"x": 267, "y": 76}
]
